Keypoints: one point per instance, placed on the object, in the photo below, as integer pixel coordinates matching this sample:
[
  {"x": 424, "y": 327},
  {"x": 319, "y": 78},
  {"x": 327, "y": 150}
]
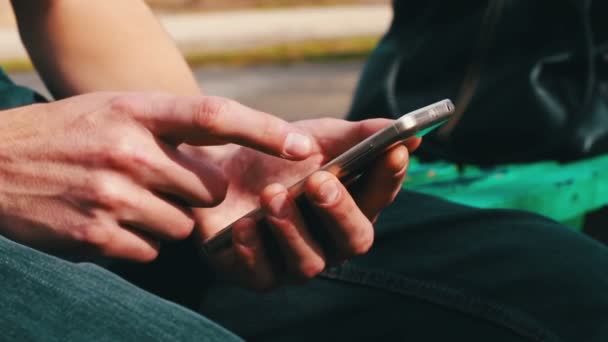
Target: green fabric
[
  {"x": 564, "y": 192},
  {"x": 13, "y": 95}
]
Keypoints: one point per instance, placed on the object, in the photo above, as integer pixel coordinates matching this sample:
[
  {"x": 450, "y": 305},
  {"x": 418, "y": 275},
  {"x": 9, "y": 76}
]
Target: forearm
[{"x": 81, "y": 46}]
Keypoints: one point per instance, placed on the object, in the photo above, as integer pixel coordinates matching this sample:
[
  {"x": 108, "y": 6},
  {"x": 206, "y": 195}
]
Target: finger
[
  {"x": 334, "y": 136},
  {"x": 206, "y": 120},
  {"x": 349, "y": 228},
  {"x": 131, "y": 205},
  {"x": 255, "y": 270},
  {"x": 195, "y": 182},
  {"x": 162, "y": 168},
  {"x": 413, "y": 143},
  {"x": 130, "y": 245},
  {"x": 304, "y": 258},
  {"x": 155, "y": 216},
  {"x": 378, "y": 188}
]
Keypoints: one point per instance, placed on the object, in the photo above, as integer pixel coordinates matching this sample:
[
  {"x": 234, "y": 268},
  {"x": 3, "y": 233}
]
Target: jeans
[
  {"x": 438, "y": 271},
  {"x": 44, "y": 298}
]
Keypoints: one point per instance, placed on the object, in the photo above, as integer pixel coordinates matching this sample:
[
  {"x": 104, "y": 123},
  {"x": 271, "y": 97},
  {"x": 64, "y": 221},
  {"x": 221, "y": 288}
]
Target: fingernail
[
  {"x": 279, "y": 206},
  {"x": 247, "y": 236},
  {"x": 328, "y": 192},
  {"x": 297, "y": 145}
]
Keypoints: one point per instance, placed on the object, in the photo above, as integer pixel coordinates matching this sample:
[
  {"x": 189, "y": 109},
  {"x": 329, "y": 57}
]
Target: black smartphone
[{"x": 352, "y": 163}]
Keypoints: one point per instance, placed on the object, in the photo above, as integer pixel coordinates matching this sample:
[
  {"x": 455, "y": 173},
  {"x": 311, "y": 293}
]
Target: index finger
[
  {"x": 208, "y": 120},
  {"x": 334, "y": 136}
]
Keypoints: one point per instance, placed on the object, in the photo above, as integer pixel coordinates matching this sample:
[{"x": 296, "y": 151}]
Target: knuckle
[
  {"x": 107, "y": 192},
  {"x": 209, "y": 110},
  {"x": 126, "y": 104},
  {"x": 123, "y": 153},
  {"x": 121, "y": 104},
  {"x": 95, "y": 236},
  {"x": 119, "y": 152},
  {"x": 272, "y": 126}
]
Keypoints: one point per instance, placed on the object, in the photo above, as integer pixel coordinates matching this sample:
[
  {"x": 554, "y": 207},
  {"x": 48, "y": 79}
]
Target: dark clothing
[{"x": 534, "y": 70}]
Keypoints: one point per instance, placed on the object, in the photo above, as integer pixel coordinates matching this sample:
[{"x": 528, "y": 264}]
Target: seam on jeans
[{"x": 515, "y": 321}]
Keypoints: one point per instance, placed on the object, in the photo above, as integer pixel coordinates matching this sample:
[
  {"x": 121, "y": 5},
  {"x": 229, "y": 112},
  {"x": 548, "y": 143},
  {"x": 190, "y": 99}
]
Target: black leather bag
[{"x": 529, "y": 77}]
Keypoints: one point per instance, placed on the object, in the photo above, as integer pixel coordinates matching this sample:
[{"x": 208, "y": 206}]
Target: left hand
[{"x": 259, "y": 179}]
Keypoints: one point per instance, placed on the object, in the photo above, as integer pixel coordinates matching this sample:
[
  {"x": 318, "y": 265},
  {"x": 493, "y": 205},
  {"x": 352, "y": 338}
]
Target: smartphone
[{"x": 350, "y": 164}]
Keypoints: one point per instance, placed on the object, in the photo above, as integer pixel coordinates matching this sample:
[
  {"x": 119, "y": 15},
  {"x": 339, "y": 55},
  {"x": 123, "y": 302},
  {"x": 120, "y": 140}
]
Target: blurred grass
[
  {"x": 348, "y": 48},
  {"x": 16, "y": 65},
  {"x": 314, "y": 50}
]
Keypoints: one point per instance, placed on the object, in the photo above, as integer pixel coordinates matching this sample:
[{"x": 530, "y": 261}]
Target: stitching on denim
[{"x": 495, "y": 313}]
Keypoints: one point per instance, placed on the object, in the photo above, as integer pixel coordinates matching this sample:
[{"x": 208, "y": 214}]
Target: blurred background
[{"x": 292, "y": 58}]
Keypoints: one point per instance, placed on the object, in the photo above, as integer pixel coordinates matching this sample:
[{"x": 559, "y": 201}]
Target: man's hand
[
  {"x": 101, "y": 174},
  {"x": 345, "y": 214}
]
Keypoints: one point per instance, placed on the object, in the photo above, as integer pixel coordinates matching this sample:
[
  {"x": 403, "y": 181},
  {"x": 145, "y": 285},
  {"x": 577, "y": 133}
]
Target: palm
[{"x": 248, "y": 172}]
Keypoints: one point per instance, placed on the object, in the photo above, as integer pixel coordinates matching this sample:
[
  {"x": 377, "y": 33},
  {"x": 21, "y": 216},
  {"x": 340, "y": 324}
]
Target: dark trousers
[{"x": 437, "y": 272}]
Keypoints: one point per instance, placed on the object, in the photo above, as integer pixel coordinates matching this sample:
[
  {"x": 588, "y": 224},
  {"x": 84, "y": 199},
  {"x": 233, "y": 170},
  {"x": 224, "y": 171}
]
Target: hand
[
  {"x": 101, "y": 174},
  {"x": 257, "y": 179}
]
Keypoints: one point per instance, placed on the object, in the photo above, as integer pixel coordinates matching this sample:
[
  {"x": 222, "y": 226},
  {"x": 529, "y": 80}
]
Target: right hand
[{"x": 101, "y": 175}]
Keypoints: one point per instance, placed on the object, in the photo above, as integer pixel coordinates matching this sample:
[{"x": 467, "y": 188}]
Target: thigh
[
  {"x": 440, "y": 271},
  {"x": 50, "y": 299}
]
